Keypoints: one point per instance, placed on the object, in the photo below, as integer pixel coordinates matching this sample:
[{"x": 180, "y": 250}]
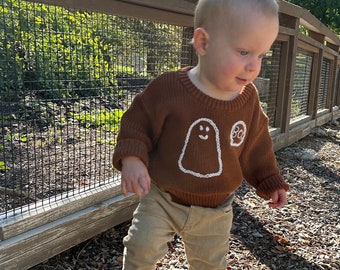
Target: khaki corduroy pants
[{"x": 204, "y": 231}]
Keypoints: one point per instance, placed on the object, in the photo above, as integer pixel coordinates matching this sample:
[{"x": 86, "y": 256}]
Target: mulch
[{"x": 302, "y": 235}]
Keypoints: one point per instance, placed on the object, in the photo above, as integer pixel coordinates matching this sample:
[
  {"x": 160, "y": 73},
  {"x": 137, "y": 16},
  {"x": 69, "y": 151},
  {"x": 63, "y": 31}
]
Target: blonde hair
[{"x": 210, "y": 10}]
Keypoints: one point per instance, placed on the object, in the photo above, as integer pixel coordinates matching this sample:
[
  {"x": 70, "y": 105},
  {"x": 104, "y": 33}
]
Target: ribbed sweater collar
[{"x": 213, "y": 103}]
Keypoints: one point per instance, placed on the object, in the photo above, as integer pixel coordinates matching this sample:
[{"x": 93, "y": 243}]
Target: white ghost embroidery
[
  {"x": 201, "y": 147},
  {"x": 238, "y": 133}
]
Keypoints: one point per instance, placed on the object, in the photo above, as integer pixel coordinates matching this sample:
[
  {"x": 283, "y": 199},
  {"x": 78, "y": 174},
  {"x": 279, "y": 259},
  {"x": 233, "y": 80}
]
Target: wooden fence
[{"x": 299, "y": 89}]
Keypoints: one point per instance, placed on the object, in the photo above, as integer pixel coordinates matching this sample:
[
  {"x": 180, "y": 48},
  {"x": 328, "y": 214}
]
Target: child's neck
[{"x": 194, "y": 76}]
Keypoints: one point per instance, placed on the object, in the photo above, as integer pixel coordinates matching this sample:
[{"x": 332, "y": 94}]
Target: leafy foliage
[
  {"x": 3, "y": 166},
  {"x": 327, "y": 11},
  {"x": 51, "y": 52},
  {"x": 48, "y": 51},
  {"x": 109, "y": 121}
]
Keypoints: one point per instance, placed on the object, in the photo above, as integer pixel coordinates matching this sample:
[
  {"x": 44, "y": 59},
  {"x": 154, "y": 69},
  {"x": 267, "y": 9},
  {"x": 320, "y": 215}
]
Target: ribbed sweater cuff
[
  {"x": 268, "y": 186},
  {"x": 129, "y": 147}
]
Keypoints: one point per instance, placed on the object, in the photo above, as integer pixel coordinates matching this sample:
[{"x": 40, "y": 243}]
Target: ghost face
[
  {"x": 204, "y": 130},
  {"x": 202, "y": 142}
]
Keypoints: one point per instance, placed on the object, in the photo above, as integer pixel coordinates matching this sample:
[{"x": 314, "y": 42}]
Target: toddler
[{"x": 191, "y": 137}]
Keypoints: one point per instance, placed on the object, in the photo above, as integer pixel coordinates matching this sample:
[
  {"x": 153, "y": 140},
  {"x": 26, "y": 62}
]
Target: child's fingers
[
  {"x": 124, "y": 188},
  {"x": 137, "y": 189},
  {"x": 279, "y": 199},
  {"x": 276, "y": 205},
  {"x": 145, "y": 184}
]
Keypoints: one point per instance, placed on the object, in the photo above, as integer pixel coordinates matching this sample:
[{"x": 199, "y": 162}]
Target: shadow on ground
[{"x": 263, "y": 245}]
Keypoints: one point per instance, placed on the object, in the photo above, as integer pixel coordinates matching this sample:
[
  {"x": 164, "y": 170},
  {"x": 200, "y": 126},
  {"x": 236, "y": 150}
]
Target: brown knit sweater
[{"x": 197, "y": 148}]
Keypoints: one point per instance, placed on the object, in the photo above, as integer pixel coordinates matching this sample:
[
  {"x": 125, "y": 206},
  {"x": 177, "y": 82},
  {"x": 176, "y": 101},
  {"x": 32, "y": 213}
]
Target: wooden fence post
[{"x": 292, "y": 23}]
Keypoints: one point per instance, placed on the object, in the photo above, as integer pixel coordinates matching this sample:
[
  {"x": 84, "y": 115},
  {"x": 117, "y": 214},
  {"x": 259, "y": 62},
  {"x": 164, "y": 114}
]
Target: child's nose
[{"x": 253, "y": 65}]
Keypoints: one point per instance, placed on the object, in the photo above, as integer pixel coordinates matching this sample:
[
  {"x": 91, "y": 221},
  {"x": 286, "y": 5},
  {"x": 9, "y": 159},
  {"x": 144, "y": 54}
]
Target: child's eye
[{"x": 244, "y": 53}]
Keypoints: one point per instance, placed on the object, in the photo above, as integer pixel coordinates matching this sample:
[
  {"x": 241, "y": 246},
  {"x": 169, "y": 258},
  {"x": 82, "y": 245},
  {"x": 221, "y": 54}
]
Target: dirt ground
[{"x": 302, "y": 235}]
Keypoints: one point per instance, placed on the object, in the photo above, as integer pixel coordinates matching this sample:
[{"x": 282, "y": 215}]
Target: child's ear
[{"x": 201, "y": 38}]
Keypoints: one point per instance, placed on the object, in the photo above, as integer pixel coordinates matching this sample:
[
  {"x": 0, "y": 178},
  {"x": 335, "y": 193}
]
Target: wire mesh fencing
[
  {"x": 268, "y": 80},
  {"x": 324, "y": 84},
  {"x": 336, "y": 99},
  {"x": 66, "y": 78},
  {"x": 302, "y": 84}
]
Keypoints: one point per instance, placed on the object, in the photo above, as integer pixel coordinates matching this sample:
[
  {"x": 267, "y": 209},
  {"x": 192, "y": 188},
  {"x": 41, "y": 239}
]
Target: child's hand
[
  {"x": 135, "y": 176},
  {"x": 279, "y": 199}
]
